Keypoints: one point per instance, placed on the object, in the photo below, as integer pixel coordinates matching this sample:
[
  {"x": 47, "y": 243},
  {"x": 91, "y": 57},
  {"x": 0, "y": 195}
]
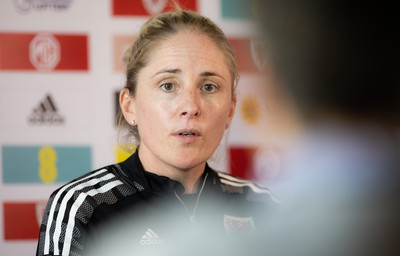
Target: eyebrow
[
  {"x": 170, "y": 71},
  {"x": 206, "y": 74},
  {"x": 178, "y": 71}
]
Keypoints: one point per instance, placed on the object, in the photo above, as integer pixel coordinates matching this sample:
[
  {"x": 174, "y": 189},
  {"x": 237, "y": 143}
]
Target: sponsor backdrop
[{"x": 60, "y": 72}]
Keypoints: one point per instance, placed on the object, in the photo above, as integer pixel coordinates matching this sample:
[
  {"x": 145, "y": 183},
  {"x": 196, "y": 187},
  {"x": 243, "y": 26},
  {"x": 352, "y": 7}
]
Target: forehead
[{"x": 188, "y": 43}]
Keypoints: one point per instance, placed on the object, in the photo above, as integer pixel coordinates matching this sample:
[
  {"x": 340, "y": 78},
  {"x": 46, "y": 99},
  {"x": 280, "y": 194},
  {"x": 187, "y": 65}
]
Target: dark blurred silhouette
[
  {"x": 339, "y": 63},
  {"x": 336, "y": 56}
]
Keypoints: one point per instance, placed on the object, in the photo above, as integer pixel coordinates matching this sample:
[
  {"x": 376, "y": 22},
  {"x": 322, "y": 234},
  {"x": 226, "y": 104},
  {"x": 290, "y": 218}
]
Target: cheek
[
  {"x": 220, "y": 117},
  {"x": 151, "y": 115}
]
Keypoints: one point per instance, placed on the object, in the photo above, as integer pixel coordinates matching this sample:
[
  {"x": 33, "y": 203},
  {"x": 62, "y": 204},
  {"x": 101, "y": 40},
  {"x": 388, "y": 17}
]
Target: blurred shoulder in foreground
[{"x": 339, "y": 62}]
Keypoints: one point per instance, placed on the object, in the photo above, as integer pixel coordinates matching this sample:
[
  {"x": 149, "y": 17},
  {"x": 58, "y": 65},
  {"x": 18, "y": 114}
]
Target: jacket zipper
[{"x": 192, "y": 217}]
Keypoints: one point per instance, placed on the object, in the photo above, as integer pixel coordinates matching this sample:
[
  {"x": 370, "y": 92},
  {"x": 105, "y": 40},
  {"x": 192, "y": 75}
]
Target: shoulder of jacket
[
  {"x": 94, "y": 182},
  {"x": 250, "y": 189}
]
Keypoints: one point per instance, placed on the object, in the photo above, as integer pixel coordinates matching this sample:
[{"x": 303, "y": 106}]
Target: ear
[
  {"x": 231, "y": 111},
  {"x": 126, "y": 103}
]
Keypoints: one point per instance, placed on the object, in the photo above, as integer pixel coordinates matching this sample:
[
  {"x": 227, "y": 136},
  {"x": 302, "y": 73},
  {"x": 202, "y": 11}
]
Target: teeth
[{"x": 187, "y": 134}]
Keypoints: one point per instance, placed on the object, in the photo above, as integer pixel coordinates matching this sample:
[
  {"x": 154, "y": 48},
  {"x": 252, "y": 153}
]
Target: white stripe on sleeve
[
  {"x": 71, "y": 218},
  {"x": 53, "y": 206}
]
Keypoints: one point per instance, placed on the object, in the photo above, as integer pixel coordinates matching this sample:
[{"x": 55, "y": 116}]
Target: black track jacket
[{"x": 125, "y": 199}]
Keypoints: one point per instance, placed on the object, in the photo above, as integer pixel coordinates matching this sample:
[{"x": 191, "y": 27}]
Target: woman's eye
[
  {"x": 168, "y": 87},
  {"x": 209, "y": 88}
]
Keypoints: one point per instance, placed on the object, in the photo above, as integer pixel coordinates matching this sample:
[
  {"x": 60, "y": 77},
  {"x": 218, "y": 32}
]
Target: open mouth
[{"x": 188, "y": 134}]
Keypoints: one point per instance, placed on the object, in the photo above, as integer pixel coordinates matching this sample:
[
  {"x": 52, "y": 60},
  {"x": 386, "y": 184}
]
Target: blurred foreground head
[
  {"x": 336, "y": 58},
  {"x": 339, "y": 62}
]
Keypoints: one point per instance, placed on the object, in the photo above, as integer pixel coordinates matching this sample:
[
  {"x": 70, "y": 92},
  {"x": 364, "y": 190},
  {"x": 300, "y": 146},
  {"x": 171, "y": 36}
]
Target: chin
[
  {"x": 189, "y": 163},
  {"x": 189, "y": 158}
]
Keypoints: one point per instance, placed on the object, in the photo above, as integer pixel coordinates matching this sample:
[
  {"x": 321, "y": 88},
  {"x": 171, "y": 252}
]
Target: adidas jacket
[{"x": 98, "y": 206}]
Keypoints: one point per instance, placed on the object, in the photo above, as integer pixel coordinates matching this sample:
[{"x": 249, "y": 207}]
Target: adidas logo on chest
[{"x": 151, "y": 238}]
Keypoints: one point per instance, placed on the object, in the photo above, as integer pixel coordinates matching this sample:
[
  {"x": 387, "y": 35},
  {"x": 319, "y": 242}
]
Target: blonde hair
[{"x": 155, "y": 30}]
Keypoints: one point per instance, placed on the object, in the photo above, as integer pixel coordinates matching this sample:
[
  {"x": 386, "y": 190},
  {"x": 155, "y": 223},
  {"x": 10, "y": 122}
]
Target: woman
[{"x": 179, "y": 97}]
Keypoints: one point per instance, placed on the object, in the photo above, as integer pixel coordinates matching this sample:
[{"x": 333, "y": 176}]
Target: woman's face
[{"x": 183, "y": 102}]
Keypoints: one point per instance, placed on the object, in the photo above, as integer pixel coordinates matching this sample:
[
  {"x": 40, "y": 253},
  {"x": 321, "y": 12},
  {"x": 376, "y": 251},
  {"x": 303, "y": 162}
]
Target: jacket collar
[{"x": 133, "y": 170}]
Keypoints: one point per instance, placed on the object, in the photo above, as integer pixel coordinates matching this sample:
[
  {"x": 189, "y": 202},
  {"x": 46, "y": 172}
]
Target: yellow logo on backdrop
[
  {"x": 47, "y": 164},
  {"x": 123, "y": 152},
  {"x": 250, "y": 110}
]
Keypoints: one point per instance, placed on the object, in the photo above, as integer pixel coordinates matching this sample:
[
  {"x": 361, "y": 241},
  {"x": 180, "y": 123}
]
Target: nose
[{"x": 190, "y": 104}]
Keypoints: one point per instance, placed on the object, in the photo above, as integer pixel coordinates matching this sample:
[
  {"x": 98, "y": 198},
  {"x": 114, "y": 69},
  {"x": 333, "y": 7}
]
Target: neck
[
  {"x": 188, "y": 177},
  {"x": 191, "y": 184}
]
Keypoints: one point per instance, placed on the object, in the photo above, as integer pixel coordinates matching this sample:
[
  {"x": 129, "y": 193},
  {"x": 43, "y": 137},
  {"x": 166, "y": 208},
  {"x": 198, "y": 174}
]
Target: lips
[{"x": 187, "y": 132}]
